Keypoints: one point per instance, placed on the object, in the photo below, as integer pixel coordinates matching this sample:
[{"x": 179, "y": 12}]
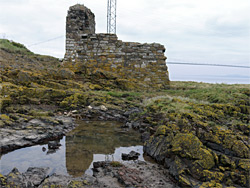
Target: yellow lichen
[
  {"x": 209, "y": 175},
  {"x": 206, "y": 159},
  {"x": 184, "y": 181},
  {"x": 244, "y": 164},
  {"x": 4, "y": 117},
  {"x": 161, "y": 130},
  {"x": 211, "y": 184}
]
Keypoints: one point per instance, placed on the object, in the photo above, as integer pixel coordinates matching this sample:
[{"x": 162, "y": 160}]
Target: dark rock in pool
[
  {"x": 99, "y": 164},
  {"x": 43, "y": 149},
  {"x": 54, "y": 144},
  {"x": 131, "y": 156}
]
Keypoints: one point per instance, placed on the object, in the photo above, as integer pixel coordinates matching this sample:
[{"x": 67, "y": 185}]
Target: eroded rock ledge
[{"x": 106, "y": 174}]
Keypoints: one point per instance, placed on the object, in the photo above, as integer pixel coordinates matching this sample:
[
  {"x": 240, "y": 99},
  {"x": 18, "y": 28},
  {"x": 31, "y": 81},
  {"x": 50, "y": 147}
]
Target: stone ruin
[{"x": 145, "y": 63}]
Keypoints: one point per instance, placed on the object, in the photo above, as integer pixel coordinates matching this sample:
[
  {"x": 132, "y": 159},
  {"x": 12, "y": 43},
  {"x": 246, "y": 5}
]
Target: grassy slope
[{"x": 13, "y": 47}]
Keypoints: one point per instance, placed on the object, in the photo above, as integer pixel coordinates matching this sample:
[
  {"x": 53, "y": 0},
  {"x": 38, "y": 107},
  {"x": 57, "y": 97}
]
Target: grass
[
  {"x": 14, "y": 47},
  {"x": 190, "y": 105},
  {"x": 121, "y": 94},
  {"x": 212, "y": 93},
  {"x": 116, "y": 164}
]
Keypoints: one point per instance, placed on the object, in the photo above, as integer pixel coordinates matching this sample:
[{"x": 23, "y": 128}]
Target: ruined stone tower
[
  {"x": 80, "y": 21},
  {"x": 142, "y": 62}
]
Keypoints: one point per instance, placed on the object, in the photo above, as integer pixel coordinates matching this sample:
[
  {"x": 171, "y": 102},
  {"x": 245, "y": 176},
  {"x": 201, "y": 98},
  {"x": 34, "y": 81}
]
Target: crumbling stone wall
[{"x": 143, "y": 62}]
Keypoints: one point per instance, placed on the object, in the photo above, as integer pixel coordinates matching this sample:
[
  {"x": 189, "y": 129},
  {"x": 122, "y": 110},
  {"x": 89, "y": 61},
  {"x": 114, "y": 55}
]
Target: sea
[{"x": 215, "y": 79}]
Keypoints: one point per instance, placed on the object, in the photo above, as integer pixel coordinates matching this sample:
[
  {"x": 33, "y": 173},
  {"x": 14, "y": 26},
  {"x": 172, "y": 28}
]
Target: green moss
[
  {"x": 5, "y": 102},
  {"x": 238, "y": 178},
  {"x": 95, "y": 87},
  {"x": 179, "y": 167},
  {"x": 240, "y": 149},
  {"x": 161, "y": 130},
  {"x": 2, "y": 123},
  {"x": 206, "y": 159},
  {"x": 225, "y": 161},
  {"x": 184, "y": 181},
  {"x": 116, "y": 164},
  {"x": 244, "y": 164},
  {"x": 190, "y": 147},
  {"x": 4, "y": 117},
  {"x": 212, "y": 137},
  {"x": 37, "y": 113},
  {"x": 211, "y": 184},
  {"x": 186, "y": 145},
  {"x": 209, "y": 175},
  {"x": 1, "y": 176},
  {"x": 2, "y": 180},
  {"x": 126, "y": 84},
  {"x": 74, "y": 101},
  {"x": 76, "y": 184}
]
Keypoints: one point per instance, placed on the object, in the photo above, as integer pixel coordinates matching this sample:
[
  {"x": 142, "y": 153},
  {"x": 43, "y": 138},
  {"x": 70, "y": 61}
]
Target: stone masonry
[{"x": 142, "y": 62}]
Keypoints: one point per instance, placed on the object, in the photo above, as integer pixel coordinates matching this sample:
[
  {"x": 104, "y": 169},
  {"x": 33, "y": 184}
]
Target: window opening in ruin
[{"x": 86, "y": 20}]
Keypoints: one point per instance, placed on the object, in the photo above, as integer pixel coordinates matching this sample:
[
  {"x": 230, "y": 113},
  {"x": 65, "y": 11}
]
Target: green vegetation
[
  {"x": 206, "y": 125},
  {"x": 116, "y": 164},
  {"x": 213, "y": 93},
  {"x": 13, "y": 47}
]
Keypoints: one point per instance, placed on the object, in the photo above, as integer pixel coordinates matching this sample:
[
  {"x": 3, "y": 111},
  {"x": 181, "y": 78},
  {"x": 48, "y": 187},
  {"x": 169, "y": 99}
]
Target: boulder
[
  {"x": 54, "y": 144},
  {"x": 24, "y": 77},
  {"x": 180, "y": 153},
  {"x": 131, "y": 156},
  {"x": 35, "y": 176},
  {"x": 65, "y": 74}
]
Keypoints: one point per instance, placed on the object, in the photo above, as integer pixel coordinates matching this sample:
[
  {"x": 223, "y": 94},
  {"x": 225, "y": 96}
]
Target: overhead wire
[
  {"x": 171, "y": 62},
  {"x": 46, "y": 41},
  {"x": 208, "y": 64}
]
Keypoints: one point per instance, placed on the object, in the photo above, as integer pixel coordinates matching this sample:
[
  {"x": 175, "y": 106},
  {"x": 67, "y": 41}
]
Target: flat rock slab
[
  {"x": 33, "y": 132},
  {"x": 135, "y": 174},
  {"x": 131, "y": 156}
]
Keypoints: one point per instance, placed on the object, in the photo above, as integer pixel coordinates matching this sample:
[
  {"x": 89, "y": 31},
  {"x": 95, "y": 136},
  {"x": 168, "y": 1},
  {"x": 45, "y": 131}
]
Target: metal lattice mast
[{"x": 111, "y": 17}]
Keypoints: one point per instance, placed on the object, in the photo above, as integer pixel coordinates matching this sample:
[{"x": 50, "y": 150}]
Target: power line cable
[
  {"x": 174, "y": 63},
  {"x": 46, "y": 41},
  {"x": 206, "y": 64}
]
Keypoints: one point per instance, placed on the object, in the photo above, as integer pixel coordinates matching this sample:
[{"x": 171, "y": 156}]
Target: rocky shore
[
  {"x": 106, "y": 174},
  {"x": 35, "y": 131},
  {"x": 24, "y": 133},
  {"x": 197, "y": 132}
]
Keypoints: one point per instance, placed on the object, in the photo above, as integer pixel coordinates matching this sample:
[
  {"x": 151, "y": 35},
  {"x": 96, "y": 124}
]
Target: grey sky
[{"x": 214, "y": 31}]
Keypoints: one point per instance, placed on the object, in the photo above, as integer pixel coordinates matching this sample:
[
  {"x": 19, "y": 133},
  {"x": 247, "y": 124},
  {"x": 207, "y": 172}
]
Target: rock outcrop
[{"x": 196, "y": 145}]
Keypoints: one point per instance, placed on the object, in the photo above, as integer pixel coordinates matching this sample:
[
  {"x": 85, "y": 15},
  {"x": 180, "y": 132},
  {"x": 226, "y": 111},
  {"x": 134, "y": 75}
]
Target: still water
[{"x": 91, "y": 141}]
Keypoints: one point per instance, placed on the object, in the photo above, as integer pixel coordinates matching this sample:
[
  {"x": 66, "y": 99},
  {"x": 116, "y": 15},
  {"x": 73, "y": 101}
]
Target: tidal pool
[{"x": 91, "y": 141}]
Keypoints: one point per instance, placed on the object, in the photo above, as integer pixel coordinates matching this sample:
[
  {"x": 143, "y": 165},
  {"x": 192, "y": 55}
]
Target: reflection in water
[
  {"x": 95, "y": 137},
  {"x": 90, "y": 141}
]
